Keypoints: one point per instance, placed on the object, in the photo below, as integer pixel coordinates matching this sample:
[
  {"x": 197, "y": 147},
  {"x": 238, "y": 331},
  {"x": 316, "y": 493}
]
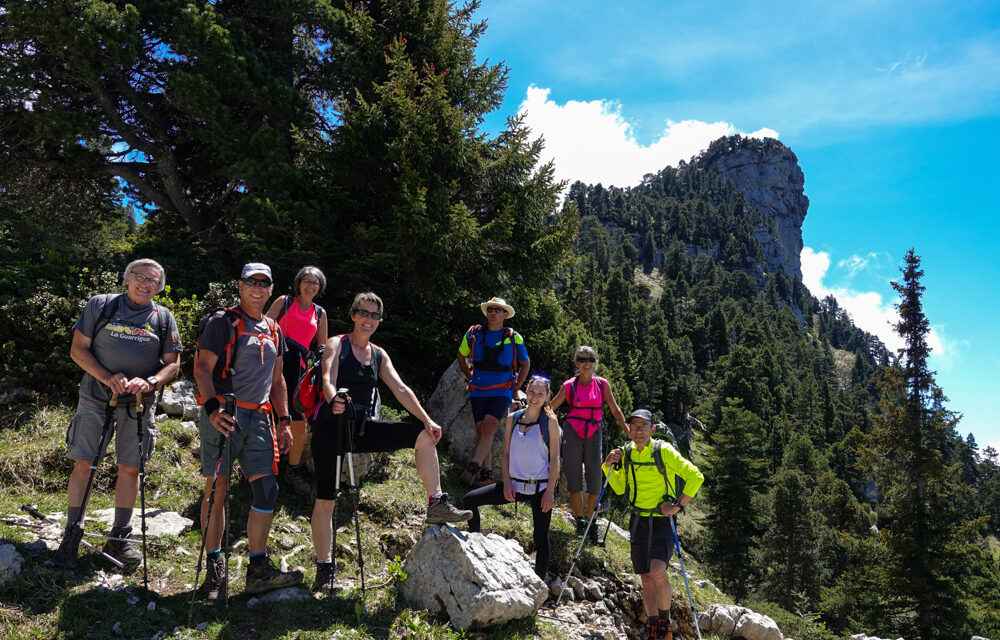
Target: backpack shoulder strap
[
  {"x": 111, "y": 301},
  {"x": 162, "y": 325},
  {"x": 289, "y": 298},
  {"x": 602, "y": 384},
  {"x": 573, "y": 391},
  {"x": 319, "y": 313},
  {"x": 376, "y": 356}
]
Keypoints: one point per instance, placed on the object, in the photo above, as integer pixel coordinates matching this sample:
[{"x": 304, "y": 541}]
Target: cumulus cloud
[
  {"x": 593, "y": 142},
  {"x": 869, "y": 310}
]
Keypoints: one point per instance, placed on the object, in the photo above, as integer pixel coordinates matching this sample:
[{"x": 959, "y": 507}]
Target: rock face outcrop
[
  {"x": 768, "y": 174},
  {"x": 735, "y": 621},
  {"x": 449, "y": 407},
  {"x": 479, "y": 580}
]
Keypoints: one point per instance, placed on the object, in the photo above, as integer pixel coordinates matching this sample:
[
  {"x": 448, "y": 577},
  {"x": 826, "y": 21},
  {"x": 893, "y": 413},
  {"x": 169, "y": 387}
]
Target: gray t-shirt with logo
[
  {"x": 128, "y": 344},
  {"x": 253, "y": 366}
]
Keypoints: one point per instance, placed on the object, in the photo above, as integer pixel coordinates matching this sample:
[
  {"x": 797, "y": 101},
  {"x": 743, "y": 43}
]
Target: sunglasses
[
  {"x": 586, "y": 359},
  {"x": 495, "y": 309},
  {"x": 256, "y": 282},
  {"x": 374, "y": 315}
]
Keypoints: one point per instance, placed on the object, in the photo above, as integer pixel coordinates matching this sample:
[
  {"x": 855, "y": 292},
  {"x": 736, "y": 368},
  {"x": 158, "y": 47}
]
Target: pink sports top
[
  {"x": 586, "y": 404},
  {"x": 300, "y": 326}
]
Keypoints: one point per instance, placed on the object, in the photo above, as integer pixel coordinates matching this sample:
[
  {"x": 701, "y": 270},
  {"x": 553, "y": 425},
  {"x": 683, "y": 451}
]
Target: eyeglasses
[
  {"x": 586, "y": 359},
  {"x": 310, "y": 283},
  {"x": 141, "y": 279},
  {"x": 374, "y": 315},
  {"x": 640, "y": 425},
  {"x": 494, "y": 309},
  {"x": 257, "y": 282}
]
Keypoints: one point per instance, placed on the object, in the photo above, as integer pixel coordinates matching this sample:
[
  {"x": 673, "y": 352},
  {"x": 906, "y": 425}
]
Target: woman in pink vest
[
  {"x": 305, "y": 327},
  {"x": 586, "y": 395}
]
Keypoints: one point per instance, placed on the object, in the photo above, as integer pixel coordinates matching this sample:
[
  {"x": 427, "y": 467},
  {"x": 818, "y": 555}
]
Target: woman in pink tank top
[
  {"x": 304, "y": 324},
  {"x": 586, "y": 395}
]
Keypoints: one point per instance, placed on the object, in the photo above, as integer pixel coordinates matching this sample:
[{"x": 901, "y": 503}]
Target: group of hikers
[{"x": 248, "y": 363}]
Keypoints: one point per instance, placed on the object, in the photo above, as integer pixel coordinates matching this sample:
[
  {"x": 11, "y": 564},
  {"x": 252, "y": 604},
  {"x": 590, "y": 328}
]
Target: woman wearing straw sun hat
[{"x": 495, "y": 362}]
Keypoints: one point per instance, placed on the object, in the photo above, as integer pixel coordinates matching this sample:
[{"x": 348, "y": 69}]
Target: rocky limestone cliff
[{"x": 768, "y": 174}]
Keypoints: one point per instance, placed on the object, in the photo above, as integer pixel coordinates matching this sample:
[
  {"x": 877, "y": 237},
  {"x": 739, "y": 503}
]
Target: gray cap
[
  {"x": 645, "y": 414},
  {"x": 256, "y": 268}
]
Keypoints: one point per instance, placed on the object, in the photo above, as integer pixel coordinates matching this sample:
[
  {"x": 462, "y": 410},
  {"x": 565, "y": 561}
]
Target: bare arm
[
  {"x": 331, "y": 356},
  {"x": 81, "y": 354},
  {"x": 279, "y": 400},
  {"x": 463, "y": 364},
  {"x": 522, "y": 373},
  {"x": 323, "y": 330},
  {"x": 508, "y": 488},
  {"x": 559, "y": 399},
  {"x": 222, "y": 422},
  {"x": 615, "y": 409},
  {"x": 275, "y": 308},
  {"x": 548, "y": 498}
]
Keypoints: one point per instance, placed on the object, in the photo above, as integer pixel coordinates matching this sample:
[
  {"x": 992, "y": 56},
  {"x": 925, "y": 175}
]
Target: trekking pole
[
  {"x": 75, "y": 529},
  {"x": 680, "y": 557},
  {"x": 583, "y": 540},
  {"x": 231, "y": 410},
  {"x": 38, "y": 515},
  {"x": 27, "y": 525},
  {"x": 142, "y": 486},
  {"x": 354, "y": 489},
  {"x": 208, "y": 517}
]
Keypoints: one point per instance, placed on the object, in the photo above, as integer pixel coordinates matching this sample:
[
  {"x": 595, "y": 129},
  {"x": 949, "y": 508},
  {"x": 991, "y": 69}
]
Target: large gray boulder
[
  {"x": 738, "y": 622},
  {"x": 10, "y": 563},
  {"x": 178, "y": 401},
  {"x": 449, "y": 407},
  {"x": 865, "y": 636},
  {"x": 158, "y": 522},
  {"x": 479, "y": 580}
]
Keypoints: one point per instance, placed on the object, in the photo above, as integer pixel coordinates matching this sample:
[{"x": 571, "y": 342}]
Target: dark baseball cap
[{"x": 645, "y": 414}]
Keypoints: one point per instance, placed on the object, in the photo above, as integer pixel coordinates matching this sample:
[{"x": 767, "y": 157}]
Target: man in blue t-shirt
[{"x": 499, "y": 366}]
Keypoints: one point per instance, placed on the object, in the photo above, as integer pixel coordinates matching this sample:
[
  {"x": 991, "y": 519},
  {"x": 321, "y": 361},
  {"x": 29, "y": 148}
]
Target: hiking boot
[
  {"x": 485, "y": 477},
  {"x": 581, "y": 526},
  {"x": 69, "y": 547},
  {"x": 325, "y": 578},
  {"x": 470, "y": 474},
  {"x": 127, "y": 552},
  {"x": 214, "y": 586},
  {"x": 662, "y": 631},
  {"x": 296, "y": 479},
  {"x": 443, "y": 510},
  {"x": 263, "y": 576},
  {"x": 594, "y": 535}
]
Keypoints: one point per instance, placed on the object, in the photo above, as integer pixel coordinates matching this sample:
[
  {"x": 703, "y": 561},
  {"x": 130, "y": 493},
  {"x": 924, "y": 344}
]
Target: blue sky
[{"x": 892, "y": 108}]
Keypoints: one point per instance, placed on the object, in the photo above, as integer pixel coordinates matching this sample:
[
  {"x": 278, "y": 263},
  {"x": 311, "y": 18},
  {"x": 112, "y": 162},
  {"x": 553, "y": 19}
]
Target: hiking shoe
[
  {"x": 594, "y": 535},
  {"x": 443, "y": 510},
  {"x": 296, "y": 479},
  {"x": 325, "y": 578},
  {"x": 470, "y": 474},
  {"x": 661, "y": 631},
  {"x": 485, "y": 477},
  {"x": 263, "y": 576},
  {"x": 69, "y": 547},
  {"x": 214, "y": 586},
  {"x": 581, "y": 526},
  {"x": 127, "y": 552}
]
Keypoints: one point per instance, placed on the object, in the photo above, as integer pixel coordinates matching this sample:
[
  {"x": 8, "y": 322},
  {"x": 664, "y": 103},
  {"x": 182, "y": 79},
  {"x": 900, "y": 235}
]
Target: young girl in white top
[{"x": 530, "y": 468}]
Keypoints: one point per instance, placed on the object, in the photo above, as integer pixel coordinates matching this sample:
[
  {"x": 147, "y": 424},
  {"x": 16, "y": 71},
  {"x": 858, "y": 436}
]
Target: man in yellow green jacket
[{"x": 651, "y": 488}]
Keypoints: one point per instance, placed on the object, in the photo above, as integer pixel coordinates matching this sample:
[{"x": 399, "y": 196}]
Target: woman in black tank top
[{"x": 352, "y": 362}]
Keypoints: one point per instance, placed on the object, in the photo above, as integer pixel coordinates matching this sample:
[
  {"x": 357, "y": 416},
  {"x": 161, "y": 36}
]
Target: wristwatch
[
  {"x": 283, "y": 418},
  {"x": 153, "y": 381}
]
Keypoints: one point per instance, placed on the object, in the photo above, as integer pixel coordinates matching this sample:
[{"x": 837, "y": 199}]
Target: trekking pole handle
[
  {"x": 230, "y": 409},
  {"x": 342, "y": 393}
]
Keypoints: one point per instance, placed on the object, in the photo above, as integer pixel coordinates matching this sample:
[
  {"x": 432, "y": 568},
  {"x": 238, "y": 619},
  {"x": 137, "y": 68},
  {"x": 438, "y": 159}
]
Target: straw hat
[{"x": 497, "y": 302}]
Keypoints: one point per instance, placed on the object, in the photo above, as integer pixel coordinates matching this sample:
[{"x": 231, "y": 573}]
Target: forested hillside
[{"x": 348, "y": 135}]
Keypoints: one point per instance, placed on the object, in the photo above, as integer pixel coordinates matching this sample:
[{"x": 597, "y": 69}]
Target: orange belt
[{"x": 264, "y": 407}]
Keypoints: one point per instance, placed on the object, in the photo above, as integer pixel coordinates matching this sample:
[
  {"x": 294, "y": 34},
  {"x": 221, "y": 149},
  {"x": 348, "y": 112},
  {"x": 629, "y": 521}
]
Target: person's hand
[
  {"x": 138, "y": 386},
  {"x": 222, "y": 421},
  {"x": 669, "y": 508},
  {"x": 117, "y": 382},
  {"x": 508, "y": 491},
  {"x": 614, "y": 457},
  {"x": 285, "y": 439},
  {"x": 516, "y": 405},
  {"x": 434, "y": 430},
  {"x": 337, "y": 406},
  {"x": 548, "y": 499}
]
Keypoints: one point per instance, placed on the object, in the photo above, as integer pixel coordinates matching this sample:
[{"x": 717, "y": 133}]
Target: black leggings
[{"x": 493, "y": 494}]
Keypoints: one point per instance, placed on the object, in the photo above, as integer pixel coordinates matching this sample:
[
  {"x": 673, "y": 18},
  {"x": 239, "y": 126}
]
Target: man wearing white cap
[
  {"x": 239, "y": 352},
  {"x": 499, "y": 366}
]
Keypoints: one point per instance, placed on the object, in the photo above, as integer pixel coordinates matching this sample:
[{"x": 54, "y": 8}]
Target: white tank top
[{"x": 529, "y": 457}]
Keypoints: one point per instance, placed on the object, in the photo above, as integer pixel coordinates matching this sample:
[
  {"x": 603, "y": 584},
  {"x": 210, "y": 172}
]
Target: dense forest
[{"x": 348, "y": 135}]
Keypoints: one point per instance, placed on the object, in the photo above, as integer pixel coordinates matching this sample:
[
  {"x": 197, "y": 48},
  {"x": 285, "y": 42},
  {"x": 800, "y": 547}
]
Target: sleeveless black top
[{"x": 360, "y": 380}]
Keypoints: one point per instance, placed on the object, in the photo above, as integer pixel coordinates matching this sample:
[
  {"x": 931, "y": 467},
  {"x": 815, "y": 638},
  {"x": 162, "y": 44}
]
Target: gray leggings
[{"x": 577, "y": 452}]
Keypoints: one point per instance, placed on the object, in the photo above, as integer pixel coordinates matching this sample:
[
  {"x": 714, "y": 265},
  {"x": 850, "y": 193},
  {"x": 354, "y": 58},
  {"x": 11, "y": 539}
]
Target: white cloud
[
  {"x": 592, "y": 141},
  {"x": 869, "y": 310}
]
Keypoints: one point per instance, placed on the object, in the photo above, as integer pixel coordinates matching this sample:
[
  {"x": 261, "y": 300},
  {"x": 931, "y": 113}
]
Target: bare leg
[
  {"x": 127, "y": 486},
  {"x": 656, "y": 589},
  {"x": 322, "y": 529},
  {"x": 576, "y": 503},
  {"x": 591, "y": 503},
  {"x": 78, "y": 482},
  {"x": 426, "y": 456},
  {"x": 484, "y": 441},
  {"x": 213, "y": 537},
  {"x": 298, "y": 442}
]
